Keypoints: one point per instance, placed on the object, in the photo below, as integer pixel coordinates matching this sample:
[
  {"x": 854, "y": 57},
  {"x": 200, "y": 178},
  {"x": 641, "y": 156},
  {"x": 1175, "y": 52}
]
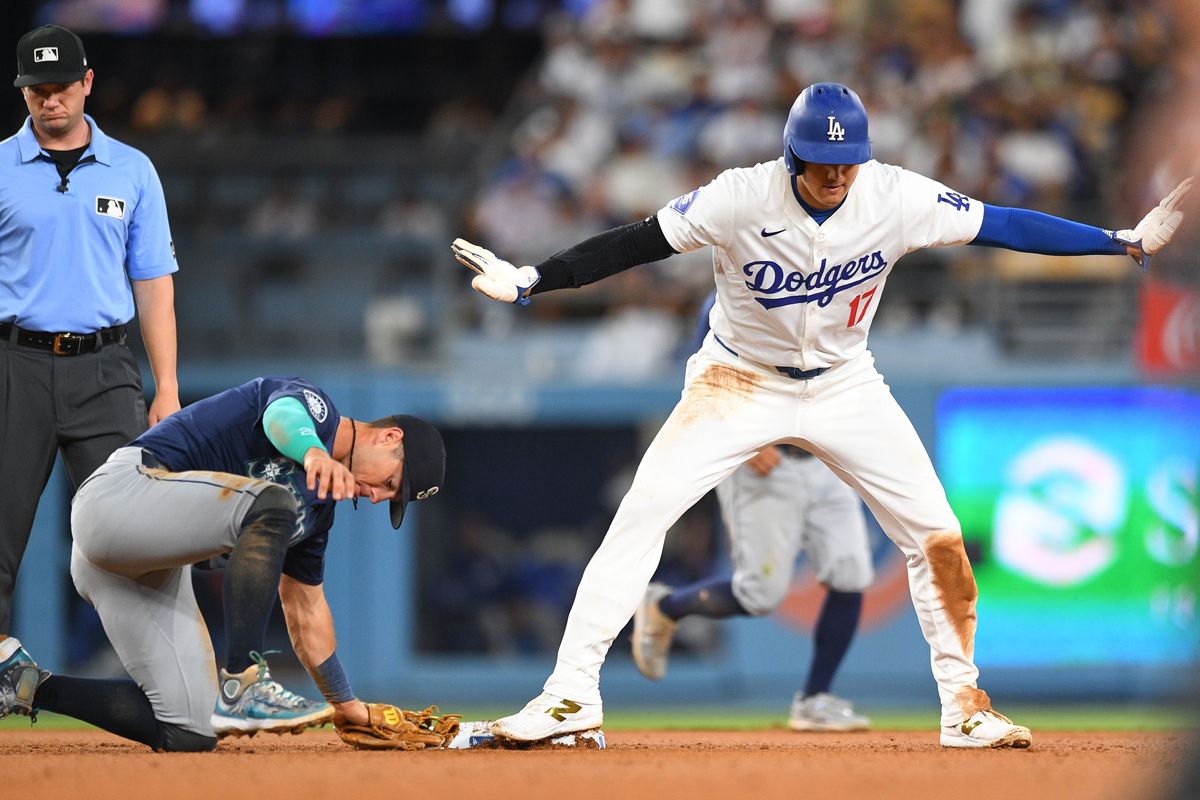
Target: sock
[
  {"x": 117, "y": 706},
  {"x": 710, "y": 598},
  {"x": 835, "y": 630},
  {"x": 252, "y": 583}
]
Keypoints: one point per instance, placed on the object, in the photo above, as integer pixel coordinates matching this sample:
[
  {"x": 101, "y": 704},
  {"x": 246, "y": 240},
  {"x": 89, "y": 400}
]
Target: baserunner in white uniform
[
  {"x": 802, "y": 247},
  {"x": 780, "y": 503}
]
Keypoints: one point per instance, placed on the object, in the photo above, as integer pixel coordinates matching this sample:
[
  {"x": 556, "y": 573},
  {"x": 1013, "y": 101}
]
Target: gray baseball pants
[
  {"x": 137, "y": 530},
  {"x": 800, "y": 506}
]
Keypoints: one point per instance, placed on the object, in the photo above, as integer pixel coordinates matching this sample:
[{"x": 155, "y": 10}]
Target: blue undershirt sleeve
[{"x": 1034, "y": 232}]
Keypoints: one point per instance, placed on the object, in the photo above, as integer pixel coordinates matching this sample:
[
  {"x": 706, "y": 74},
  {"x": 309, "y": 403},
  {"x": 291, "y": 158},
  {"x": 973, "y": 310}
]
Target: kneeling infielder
[{"x": 253, "y": 474}]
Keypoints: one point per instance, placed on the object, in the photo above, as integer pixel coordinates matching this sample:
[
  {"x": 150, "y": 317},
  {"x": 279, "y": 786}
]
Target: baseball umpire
[
  {"x": 83, "y": 240},
  {"x": 779, "y": 503},
  {"x": 252, "y": 473},
  {"x": 802, "y": 247}
]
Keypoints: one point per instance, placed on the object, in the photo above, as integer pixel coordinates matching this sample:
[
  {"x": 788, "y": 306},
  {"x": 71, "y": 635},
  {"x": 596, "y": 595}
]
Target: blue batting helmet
[{"x": 827, "y": 125}]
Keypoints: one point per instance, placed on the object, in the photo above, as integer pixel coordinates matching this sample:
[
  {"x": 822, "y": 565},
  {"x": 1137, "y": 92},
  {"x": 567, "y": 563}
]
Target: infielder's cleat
[
  {"x": 987, "y": 728},
  {"x": 825, "y": 712},
  {"x": 20, "y": 677},
  {"x": 547, "y": 716},
  {"x": 652, "y": 633},
  {"x": 251, "y": 701}
]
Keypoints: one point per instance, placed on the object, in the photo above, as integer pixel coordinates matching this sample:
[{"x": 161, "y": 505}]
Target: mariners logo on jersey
[
  {"x": 316, "y": 406},
  {"x": 281, "y": 471}
]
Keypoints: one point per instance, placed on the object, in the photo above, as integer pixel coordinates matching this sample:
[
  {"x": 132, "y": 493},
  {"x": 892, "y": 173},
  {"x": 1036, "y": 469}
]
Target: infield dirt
[{"x": 653, "y": 764}]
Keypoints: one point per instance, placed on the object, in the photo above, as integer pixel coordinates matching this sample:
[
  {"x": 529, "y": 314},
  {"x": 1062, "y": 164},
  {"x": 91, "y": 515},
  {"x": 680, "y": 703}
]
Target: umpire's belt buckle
[{"x": 67, "y": 344}]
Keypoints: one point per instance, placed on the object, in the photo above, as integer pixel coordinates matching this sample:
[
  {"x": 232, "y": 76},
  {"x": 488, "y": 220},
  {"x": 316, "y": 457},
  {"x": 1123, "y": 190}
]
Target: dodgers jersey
[
  {"x": 793, "y": 293},
  {"x": 224, "y": 433}
]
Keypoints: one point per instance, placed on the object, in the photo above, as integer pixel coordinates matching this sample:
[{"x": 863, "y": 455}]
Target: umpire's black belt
[
  {"x": 791, "y": 372},
  {"x": 63, "y": 344}
]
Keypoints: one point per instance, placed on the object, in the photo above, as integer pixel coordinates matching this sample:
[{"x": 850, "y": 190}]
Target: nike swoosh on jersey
[{"x": 766, "y": 234}]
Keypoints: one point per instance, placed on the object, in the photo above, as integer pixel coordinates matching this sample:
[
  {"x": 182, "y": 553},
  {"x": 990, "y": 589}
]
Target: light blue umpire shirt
[{"x": 66, "y": 258}]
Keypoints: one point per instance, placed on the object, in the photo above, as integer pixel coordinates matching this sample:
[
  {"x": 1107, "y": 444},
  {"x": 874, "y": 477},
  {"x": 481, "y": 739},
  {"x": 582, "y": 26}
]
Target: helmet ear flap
[{"x": 798, "y": 164}]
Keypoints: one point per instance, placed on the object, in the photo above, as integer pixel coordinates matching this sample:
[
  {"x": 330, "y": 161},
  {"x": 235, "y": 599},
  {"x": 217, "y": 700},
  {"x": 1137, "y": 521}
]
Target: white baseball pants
[{"x": 730, "y": 409}]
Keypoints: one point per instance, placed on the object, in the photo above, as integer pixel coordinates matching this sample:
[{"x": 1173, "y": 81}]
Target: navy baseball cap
[
  {"x": 50, "y": 54},
  {"x": 424, "y": 463}
]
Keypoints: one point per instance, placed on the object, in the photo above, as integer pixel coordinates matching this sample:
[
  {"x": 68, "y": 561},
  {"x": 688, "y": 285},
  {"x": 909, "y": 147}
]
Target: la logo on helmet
[{"x": 836, "y": 132}]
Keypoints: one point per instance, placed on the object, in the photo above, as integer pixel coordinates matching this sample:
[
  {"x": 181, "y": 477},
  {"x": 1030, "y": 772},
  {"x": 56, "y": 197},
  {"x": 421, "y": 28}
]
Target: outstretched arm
[
  {"x": 1035, "y": 232},
  {"x": 310, "y": 627},
  {"x": 591, "y": 260}
]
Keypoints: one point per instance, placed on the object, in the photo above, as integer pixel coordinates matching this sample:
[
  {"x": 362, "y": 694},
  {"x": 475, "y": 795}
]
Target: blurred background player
[{"x": 781, "y": 502}]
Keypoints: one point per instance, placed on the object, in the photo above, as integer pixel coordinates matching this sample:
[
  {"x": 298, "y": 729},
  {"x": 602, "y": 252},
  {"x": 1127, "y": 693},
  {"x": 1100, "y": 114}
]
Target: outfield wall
[{"x": 372, "y": 571}]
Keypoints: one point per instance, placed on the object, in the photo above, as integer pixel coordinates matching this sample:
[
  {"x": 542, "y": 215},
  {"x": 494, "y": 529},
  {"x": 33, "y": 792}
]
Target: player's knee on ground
[
  {"x": 174, "y": 739},
  {"x": 761, "y": 594},
  {"x": 846, "y": 575}
]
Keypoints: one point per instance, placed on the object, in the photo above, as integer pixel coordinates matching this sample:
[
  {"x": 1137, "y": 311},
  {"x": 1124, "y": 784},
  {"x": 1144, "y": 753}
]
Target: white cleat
[
  {"x": 652, "y": 633},
  {"x": 547, "y": 716},
  {"x": 987, "y": 728},
  {"x": 825, "y": 712}
]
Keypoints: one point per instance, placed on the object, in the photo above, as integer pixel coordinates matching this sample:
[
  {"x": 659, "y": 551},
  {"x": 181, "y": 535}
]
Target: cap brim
[
  {"x": 34, "y": 79},
  {"x": 398, "y": 505}
]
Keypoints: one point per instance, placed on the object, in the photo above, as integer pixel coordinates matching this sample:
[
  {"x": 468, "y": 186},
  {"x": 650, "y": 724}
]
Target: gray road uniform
[
  {"x": 176, "y": 496},
  {"x": 799, "y": 507}
]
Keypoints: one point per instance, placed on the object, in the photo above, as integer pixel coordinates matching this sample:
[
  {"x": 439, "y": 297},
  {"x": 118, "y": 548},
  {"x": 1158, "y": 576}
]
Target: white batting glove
[
  {"x": 497, "y": 278},
  {"x": 1157, "y": 227}
]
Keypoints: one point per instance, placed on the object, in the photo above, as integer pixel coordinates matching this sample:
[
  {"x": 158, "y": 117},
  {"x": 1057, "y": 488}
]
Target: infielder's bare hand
[
  {"x": 496, "y": 278},
  {"x": 327, "y": 476},
  {"x": 1156, "y": 228},
  {"x": 766, "y": 461}
]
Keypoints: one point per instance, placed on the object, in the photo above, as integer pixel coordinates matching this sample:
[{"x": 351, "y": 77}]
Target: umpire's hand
[{"x": 327, "y": 476}]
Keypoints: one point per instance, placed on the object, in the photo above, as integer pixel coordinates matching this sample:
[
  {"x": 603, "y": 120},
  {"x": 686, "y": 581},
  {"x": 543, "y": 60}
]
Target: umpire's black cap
[
  {"x": 424, "y": 463},
  {"x": 50, "y": 54}
]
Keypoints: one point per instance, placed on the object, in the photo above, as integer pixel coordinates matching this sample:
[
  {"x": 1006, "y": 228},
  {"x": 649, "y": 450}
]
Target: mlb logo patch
[
  {"x": 41, "y": 54},
  {"x": 110, "y": 207}
]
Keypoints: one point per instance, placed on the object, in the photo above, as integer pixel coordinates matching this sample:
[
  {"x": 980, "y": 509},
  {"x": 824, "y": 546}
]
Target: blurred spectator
[
  {"x": 285, "y": 214},
  {"x": 1018, "y": 101},
  {"x": 410, "y": 216}
]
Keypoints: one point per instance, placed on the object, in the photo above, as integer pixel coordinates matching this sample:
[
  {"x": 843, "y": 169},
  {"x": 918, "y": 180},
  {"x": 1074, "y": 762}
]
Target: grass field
[{"x": 1064, "y": 718}]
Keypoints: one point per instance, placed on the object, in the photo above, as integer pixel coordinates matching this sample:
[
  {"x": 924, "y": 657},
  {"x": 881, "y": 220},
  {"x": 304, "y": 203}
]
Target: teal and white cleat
[{"x": 251, "y": 702}]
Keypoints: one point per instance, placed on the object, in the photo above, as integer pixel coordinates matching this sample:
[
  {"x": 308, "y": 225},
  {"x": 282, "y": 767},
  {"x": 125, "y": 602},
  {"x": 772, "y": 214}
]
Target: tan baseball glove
[{"x": 392, "y": 728}]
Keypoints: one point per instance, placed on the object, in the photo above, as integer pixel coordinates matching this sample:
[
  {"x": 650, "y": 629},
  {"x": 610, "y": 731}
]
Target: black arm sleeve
[{"x": 604, "y": 254}]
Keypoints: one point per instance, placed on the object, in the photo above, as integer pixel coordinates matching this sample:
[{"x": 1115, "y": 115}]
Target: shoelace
[
  {"x": 997, "y": 714},
  {"x": 273, "y": 687}
]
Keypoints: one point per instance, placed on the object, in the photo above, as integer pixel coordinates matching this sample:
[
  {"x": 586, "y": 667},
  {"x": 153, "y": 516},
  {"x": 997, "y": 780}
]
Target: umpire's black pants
[{"x": 86, "y": 405}]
